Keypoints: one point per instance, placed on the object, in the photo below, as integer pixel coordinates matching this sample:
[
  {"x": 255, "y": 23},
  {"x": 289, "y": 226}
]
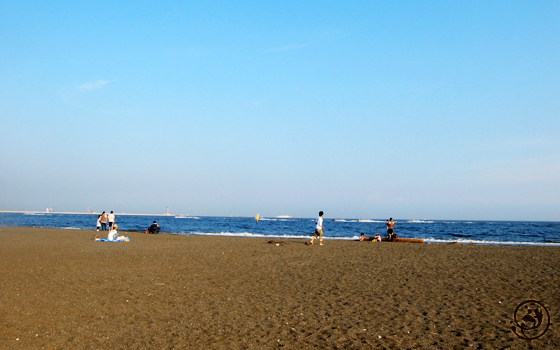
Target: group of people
[
  {"x": 391, "y": 235},
  {"x": 389, "y": 224},
  {"x": 103, "y": 219},
  {"x": 109, "y": 219},
  {"x": 113, "y": 236},
  {"x": 377, "y": 238}
]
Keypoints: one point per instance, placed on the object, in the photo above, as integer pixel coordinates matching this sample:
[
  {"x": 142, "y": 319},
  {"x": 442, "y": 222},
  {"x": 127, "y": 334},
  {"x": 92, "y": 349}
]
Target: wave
[
  {"x": 484, "y": 242},
  {"x": 353, "y": 238},
  {"x": 357, "y": 220},
  {"x": 459, "y": 235},
  {"x": 238, "y": 234},
  {"x": 420, "y": 221},
  {"x": 255, "y": 235}
]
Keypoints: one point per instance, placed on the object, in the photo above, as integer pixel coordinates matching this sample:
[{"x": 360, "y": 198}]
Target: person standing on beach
[
  {"x": 111, "y": 218},
  {"x": 318, "y": 229},
  {"x": 390, "y": 225},
  {"x": 103, "y": 221},
  {"x": 98, "y": 223}
]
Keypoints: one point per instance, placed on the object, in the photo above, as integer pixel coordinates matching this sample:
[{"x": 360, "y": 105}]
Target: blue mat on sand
[{"x": 107, "y": 240}]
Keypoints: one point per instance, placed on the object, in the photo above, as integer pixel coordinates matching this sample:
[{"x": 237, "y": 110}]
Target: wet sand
[{"x": 61, "y": 290}]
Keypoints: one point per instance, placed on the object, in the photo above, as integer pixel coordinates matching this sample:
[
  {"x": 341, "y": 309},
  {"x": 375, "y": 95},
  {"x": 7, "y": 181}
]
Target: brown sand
[{"x": 61, "y": 290}]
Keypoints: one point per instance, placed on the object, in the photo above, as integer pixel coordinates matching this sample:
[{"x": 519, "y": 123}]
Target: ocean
[{"x": 432, "y": 231}]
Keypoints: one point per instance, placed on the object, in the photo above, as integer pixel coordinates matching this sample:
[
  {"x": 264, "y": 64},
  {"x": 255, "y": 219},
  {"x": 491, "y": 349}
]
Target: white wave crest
[
  {"x": 255, "y": 235},
  {"x": 484, "y": 242}
]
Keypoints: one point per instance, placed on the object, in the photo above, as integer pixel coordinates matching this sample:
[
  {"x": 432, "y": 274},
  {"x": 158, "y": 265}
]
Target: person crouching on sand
[
  {"x": 318, "y": 229},
  {"x": 377, "y": 238},
  {"x": 154, "y": 228}
]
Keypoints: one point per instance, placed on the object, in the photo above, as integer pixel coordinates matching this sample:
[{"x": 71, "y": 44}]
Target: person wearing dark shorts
[
  {"x": 111, "y": 219},
  {"x": 390, "y": 225}
]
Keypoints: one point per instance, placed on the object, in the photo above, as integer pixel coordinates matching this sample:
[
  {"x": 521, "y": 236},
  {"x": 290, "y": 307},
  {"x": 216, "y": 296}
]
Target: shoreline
[
  {"x": 61, "y": 289},
  {"x": 353, "y": 238}
]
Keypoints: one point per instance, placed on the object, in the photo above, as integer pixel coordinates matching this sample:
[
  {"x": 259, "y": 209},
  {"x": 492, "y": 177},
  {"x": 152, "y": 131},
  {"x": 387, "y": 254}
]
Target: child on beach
[
  {"x": 318, "y": 229},
  {"x": 362, "y": 237},
  {"x": 98, "y": 222},
  {"x": 377, "y": 238}
]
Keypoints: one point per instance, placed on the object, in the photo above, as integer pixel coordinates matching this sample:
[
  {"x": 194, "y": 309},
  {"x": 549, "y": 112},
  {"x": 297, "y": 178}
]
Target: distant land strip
[{"x": 74, "y": 213}]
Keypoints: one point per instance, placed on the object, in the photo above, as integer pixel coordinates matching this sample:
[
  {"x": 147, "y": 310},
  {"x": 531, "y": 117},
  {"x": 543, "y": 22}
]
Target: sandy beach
[{"x": 62, "y": 290}]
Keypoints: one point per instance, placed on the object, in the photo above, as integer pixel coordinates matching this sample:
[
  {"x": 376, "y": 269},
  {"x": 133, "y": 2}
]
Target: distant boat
[
  {"x": 180, "y": 216},
  {"x": 283, "y": 216}
]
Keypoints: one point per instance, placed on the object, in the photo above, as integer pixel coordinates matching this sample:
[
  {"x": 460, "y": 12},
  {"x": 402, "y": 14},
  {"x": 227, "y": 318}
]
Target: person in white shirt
[
  {"x": 318, "y": 229},
  {"x": 111, "y": 219},
  {"x": 114, "y": 236}
]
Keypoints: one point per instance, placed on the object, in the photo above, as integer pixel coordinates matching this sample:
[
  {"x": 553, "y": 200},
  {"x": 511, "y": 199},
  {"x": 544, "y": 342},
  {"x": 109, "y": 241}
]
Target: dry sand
[{"x": 61, "y": 290}]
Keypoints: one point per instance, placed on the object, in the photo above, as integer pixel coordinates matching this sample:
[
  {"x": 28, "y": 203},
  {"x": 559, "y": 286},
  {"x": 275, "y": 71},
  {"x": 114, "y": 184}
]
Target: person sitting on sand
[
  {"x": 362, "y": 237},
  {"x": 114, "y": 236},
  {"x": 377, "y": 238},
  {"x": 154, "y": 228}
]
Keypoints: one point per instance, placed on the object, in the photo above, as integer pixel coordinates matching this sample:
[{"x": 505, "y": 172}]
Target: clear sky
[{"x": 369, "y": 109}]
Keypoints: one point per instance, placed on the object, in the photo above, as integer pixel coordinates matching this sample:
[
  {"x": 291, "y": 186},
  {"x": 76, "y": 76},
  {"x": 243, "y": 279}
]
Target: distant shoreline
[
  {"x": 74, "y": 213},
  {"x": 266, "y": 217}
]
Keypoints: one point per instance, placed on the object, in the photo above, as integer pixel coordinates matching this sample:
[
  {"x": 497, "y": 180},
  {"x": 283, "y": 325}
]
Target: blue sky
[{"x": 370, "y": 109}]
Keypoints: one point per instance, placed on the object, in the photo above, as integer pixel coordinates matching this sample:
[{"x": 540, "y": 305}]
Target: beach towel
[{"x": 108, "y": 240}]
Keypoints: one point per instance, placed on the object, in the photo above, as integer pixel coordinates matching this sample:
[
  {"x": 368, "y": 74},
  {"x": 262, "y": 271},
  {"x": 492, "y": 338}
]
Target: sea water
[{"x": 432, "y": 231}]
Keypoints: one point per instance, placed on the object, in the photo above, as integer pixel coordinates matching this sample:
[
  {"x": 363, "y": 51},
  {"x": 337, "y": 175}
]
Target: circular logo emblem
[{"x": 531, "y": 320}]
